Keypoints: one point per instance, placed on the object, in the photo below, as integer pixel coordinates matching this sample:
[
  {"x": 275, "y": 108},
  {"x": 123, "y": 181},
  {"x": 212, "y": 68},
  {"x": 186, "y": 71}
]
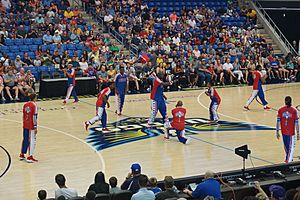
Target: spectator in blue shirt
[
  {"x": 153, "y": 185},
  {"x": 209, "y": 187},
  {"x": 47, "y": 38},
  {"x": 143, "y": 193}
]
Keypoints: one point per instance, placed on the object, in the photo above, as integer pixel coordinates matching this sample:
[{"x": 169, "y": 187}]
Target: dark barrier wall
[{"x": 288, "y": 24}]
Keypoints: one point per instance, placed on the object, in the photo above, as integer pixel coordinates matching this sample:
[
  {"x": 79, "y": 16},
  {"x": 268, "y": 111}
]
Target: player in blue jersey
[
  {"x": 70, "y": 74},
  {"x": 158, "y": 101},
  {"x": 121, "y": 81}
]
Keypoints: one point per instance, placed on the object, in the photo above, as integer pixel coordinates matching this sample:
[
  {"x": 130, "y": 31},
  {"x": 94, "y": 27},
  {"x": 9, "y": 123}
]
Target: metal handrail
[{"x": 275, "y": 27}]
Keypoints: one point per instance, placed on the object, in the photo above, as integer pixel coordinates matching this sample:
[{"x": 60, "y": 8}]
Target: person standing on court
[
  {"x": 70, "y": 74},
  {"x": 30, "y": 112},
  {"x": 101, "y": 104},
  {"x": 121, "y": 81},
  {"x": 287, "y": 122},
  {"x": 214, "y": 104},
  {"x": 258, "y": 80}
]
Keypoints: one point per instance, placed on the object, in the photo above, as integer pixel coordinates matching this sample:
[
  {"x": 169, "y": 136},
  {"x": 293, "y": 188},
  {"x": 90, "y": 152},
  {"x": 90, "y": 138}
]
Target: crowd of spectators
[
  {"x": 138, "y": 186},
  {"x": 197, "y": 45}
]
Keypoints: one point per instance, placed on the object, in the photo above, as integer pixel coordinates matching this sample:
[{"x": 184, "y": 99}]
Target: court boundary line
[
  {"x": 220, "y": 146},
  {"x": 69, "y": 135}
]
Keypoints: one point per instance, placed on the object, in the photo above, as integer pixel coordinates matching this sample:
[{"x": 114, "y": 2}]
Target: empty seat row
[{"x": 24, "y": 48}]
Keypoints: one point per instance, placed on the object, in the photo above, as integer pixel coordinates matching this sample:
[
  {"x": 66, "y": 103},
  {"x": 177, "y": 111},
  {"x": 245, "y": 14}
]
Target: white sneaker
[
  {"x": 17, "y": 99},
  {"x": 188, "y": 141}
]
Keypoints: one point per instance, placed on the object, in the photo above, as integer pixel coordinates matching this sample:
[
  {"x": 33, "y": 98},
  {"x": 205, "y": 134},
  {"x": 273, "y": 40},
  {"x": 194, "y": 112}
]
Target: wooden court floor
[{"x": 63, "y": 146}]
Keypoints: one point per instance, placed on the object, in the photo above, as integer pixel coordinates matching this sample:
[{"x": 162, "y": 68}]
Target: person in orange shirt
[
  {"x": 76, "y": 12},
  {"x": 173, "y": 17}
]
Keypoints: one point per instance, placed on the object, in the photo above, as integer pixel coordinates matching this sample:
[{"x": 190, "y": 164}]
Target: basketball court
[{"x": 63, "y": 146}]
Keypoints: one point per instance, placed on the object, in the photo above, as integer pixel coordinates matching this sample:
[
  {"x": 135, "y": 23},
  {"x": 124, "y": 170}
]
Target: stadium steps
[
  {"x": 268, "y": 39},
  {"x": 90, "y": 21}
]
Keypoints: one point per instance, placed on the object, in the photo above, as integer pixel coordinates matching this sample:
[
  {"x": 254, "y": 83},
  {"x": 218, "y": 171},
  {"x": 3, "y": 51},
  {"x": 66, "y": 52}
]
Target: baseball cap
[
  {"x": 135, "y": 168},
  {"x": 277, "y": 191}
]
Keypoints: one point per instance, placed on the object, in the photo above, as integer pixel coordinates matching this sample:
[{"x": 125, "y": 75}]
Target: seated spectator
[
  {"x": 63, "y": 190},
  {"x": 39, "y": 19},
  {"x": 68, "y": 13},
  {"x": 277, "y": 192},
  {"x": 74, "y": 38},
  {"x": 228, "y": 68},
  {"x": 1, "y": 89},
  {"x": 18, "y": 62},
  {"x": 153, "y": 185},
  {"x": 47, "y": 38},
  {"x": 99, "y": 186},
  {"x": 57, "y": 59},
  {"x": 90, "y": 195},
  {"x": 56, "y": 37},
  {"x": 209, "y": 187},
  {"x": 75, "y": 63},
  {"x": 10, "y": 83},
  {"x": 143, "y": 192},
  {"x": 42, "y": 195},
  {"x": 90, "y": 71},
  {"x": 191, "y": 75},
  {"x": 21, "y": 33},
  {"x": 113, "y": 182},
  {"x": 22, "y": 82},
  {"x": 37, "y": 61},
  {"x": 83, "y": 64},
  {"x": 132, "y": 179},
  {"x": 111, "y": 73},
  {"x": 102, "y": 75},
  {"x": 169, "y": 192},
  {"x": 27, "y": 60},
  {"x": 237, "y": 70}
]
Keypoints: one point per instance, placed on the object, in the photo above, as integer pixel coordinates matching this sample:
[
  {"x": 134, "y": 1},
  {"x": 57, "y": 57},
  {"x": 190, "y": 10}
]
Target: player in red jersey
[
  {"x": 100, "y": 108},
  {"x": 258, "y": 80},
  {"x": 178, "y": 123},
  {"x": 214, "y": 104},
  {"x": 30, "y": 112},
  {"x": 287, "y": 120}
]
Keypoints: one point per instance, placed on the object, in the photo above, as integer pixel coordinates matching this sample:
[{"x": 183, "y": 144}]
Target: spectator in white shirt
[
  {"x": 63, "y": 190},
  {"x": 6, "y": 4},
  {"x": 108, "y": 18},
  {"x": 228, "y": 67},
  {"x": 196, "y": 52},
  {"x": 176, "y": 40}
]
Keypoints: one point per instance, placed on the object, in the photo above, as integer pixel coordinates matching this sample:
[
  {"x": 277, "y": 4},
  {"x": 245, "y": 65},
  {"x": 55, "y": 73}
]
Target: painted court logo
[{"x": 135, "y": 128}]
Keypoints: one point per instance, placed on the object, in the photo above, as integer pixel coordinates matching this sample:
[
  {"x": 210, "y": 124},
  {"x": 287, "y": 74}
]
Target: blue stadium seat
[
  {"x": 31, "y": 55},
  {"x": 18, "y": 42},
  {"x": 44, "y": 47},
  {"x": 80, "y": 46},
  {"x": 4, "y": 49},
  {"x": 13, "y": 49},
  {"x": 9, "y": 42},
  {"x": 28, "y": 41},
  {"x": 37, "y": 41},
  {"x": 24, "y": 48},
  {"x": 33, "y": 47},
  {"x": 71, "y": 46}
]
